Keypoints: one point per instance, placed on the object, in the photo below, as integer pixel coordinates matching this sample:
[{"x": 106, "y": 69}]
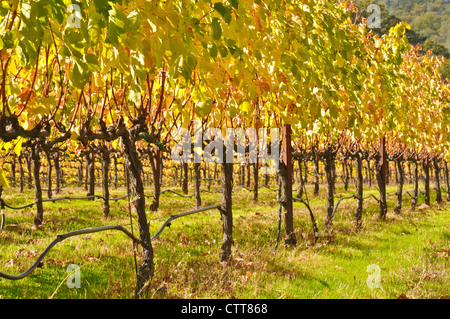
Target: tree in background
[{"x": 429, "y": 27}]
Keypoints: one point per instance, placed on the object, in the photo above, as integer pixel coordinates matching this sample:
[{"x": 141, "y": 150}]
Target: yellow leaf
[
  {"x": 7, "y": 146},
  {"x": 41, "y": 106},
  {"x": 24, "y": 95},
  {"x": 245, "y": 106},
  {"x": 3, "y": 179},
  {"x": 18, "y": 146},
  {"x": 74, "y": 135},
  {"x": 340, "y": 61}
]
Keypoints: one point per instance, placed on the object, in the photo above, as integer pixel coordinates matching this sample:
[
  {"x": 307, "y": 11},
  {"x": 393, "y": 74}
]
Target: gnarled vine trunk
[
  {"x": 416, "y": 185},
  {"x": 328, "y": 161},
  {"x": 116, "y": 178},
  {"x": 369, "y": 172},
  {"x": 316, "y": 175},
  {"x": 49, "y": 173},
  {"x": 255, "y": 182},
  {"x": 36, "y": 164},
  {"x": 382, "y": 187},
  {"x": 437, "y": 181},
  {"x": 301, "y": 180},
  {"x": 155, "y": 164},
  {"x": 426, "y": 171},
  {"x": 400, "y": 181},
  {"x": 226, "y": 210},
  {"x": 13, "y": 171},
  {"x": 30, "y": 171},
  {"x": 285, "y": 176},
  {"x": 345, "y": 174},
  {"x": 198, "y": 199},
  {"x": 91, "y": 167},
  {"x": 22, "y": 174},
  {"x": 57, "y": 173},
  {"x": 447, "y": 180},
  {"x": 359, "y": 189},
  {"x": 106, "y": 162},
  {"x": 185, "y": 178},
  {"x": 134, "y": 167},
  {"x": 80, "y": 174}
]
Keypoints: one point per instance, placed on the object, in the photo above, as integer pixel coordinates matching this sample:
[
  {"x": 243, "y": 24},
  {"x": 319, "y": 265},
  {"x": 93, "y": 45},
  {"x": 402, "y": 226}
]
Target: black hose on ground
[{"x": 60, "y": 238}]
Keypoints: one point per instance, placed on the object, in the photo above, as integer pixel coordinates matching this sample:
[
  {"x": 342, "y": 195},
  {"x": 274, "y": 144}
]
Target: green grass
[{"x": 412, "y": 250}]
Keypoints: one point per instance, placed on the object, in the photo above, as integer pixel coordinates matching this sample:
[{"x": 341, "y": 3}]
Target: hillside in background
[
  {"x": 429, "y": 21},
  {"x": 428, "y": 18}
]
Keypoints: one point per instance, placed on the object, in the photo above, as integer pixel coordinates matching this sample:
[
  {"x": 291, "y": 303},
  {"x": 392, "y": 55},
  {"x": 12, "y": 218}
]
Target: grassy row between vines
[{"x": 411, "y": 250}]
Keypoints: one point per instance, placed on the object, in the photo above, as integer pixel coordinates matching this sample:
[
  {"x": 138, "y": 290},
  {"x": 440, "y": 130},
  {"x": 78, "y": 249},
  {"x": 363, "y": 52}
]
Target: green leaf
[
  {"x": 91, "y": 58},
  {"x": 216, "y": 29},
  {"x": 41, "y": 106},
  {"x": 223, "y": 11},
  {"x": 5, "y": 5},
  {"x": 102, "y": 7},
  {"x": 235, "y": 3},
  {"x": 233, "y": 109},
  {"x": 446, "y": 110},
  {"x": 203, "y": 108},
  {"x": 213, "y": 51},
  {"x": 8, "y": 40},
  {"x": 223, "y": 51},
  {"x": 231, "y": 45}
]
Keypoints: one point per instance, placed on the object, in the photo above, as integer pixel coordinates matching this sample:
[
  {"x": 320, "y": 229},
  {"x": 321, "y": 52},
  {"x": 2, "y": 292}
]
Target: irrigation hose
[
  {"x": 211, "y": 192},
  {"x": 173, "y": 217},
  {"x": 176, "y": 193},
  {"x": 61, "y": 187},
  {"x": 279, "y": 223},
  {"x": 339, "y": 201},
  {"x": 3, "y": 204},
  {"x": 271, "y": 189},
  {"x": 60, "y": 238},
  {"x": 313, "y": 220},
  {"x": 169, "y": 182},
  {"x": 315, "y": 229},
  {"x": 371, "y": 195}
]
